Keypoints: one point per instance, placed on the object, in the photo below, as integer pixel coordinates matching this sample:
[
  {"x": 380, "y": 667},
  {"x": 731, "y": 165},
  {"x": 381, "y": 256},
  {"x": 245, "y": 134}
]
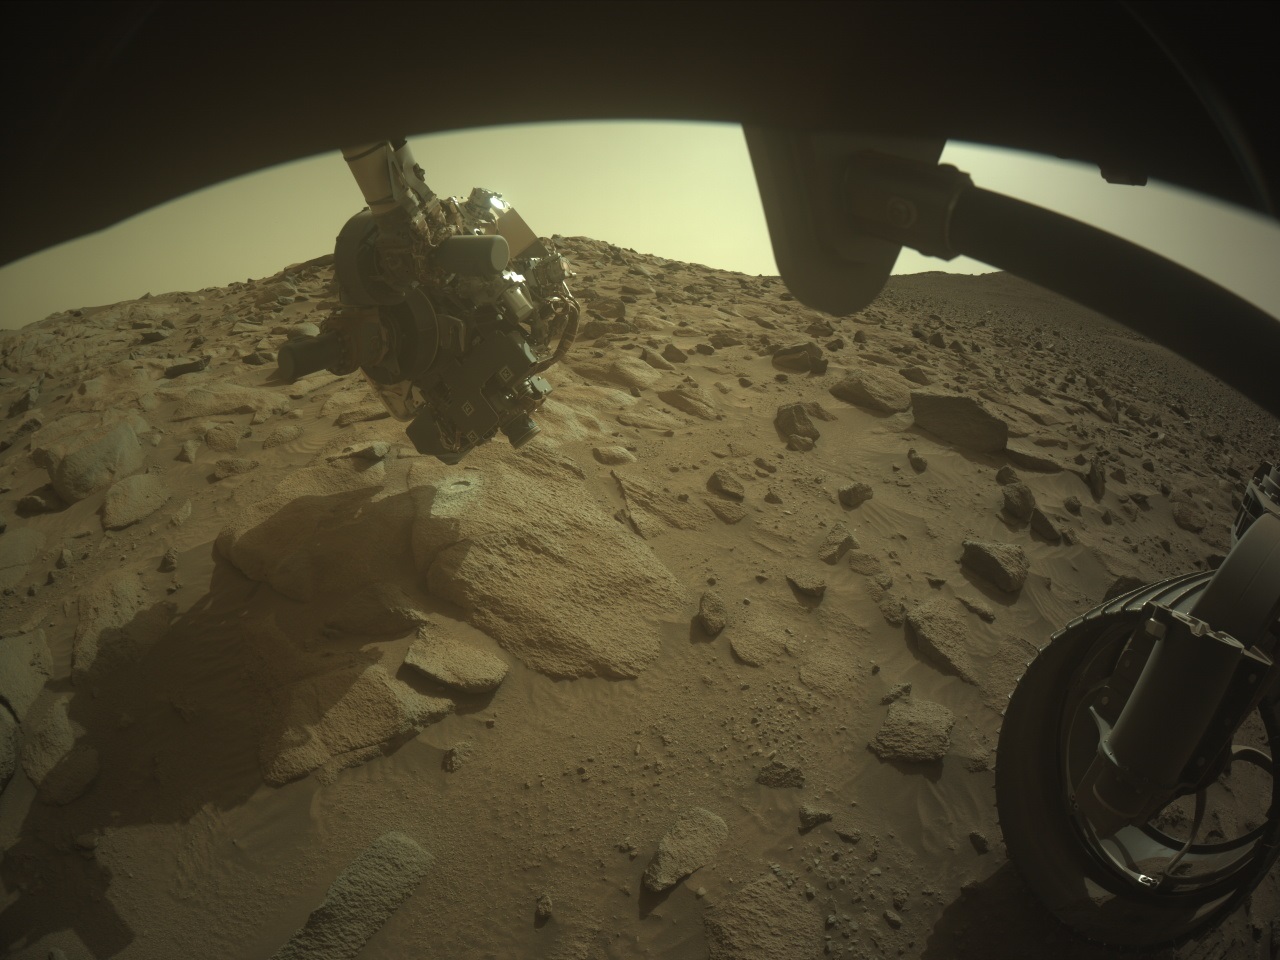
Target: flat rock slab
[
  {"x": 690, "y": 843},
  {"x": 960, "y": 420},
  {"x": 652, "y": 511},
  {"x": 777, "y": 774},
  {"x": 873, "y": 389},
  {"x": 223, "y": 399},
  {"x": 25, "y": 666},
  {"x": 792, "y": 420},
  {"x": 915, "y": 731},
  {"x": 613, "y": 456},
  {"x": 524, "y": 550},
  {"x": 132, "y": 499},
  {"x": 618, "y": 371},
  {"x": 1004, "y": 565},
  {"x": 360, "y": 900},
  {"x": 765, "y": 920},
  {"x": 941, "y": 636},
  {"x": 314, "y": 720},
  {"x": 691, "y": 400},
  {"x": 458, "y": 665}
]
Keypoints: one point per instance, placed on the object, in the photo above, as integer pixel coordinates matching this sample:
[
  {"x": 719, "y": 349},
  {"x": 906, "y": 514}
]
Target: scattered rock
[
  {"x": 674, "y": 354},
  {"x": 778, "y": 774},
  {"x": 613, "y": 456},
  {"x": 942, "y": 637},
  {"x": 725, "y": 484},
  {"x": 1072, "y": 505},
  {"x": 132, "y": 499},
  {"x": 1095, "y": 478},
  {"x": 918, "y": 463},
  {"x": 1019, "y": 501},
  {"x": 811, "y": 816},
  {"x": 980, "y": 842},
  {"x": 960, "y": 420},
  {"x": 690, "y": 843},
  {"x": 654, "y": 360},
  {"x": 458, "y": 665},
  {"x": 360, "y": 900},
  {"x": 873, "y": 390},
  {"x": 712, "y": 615},
  {"x": 856, "y": 494},
  {"x": 169, "y": 562},
  {"x": 914, "y": 731},
  {"x": 1003, "y": 564},
  {"x": 187, "y": 454},
  {"x": 728, "y": 510},
  {"x": 916, "y": 375}
]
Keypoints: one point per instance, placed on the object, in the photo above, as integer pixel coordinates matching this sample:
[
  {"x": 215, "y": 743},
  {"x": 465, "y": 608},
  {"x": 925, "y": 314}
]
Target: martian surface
[{"x": 714, "y": 667}]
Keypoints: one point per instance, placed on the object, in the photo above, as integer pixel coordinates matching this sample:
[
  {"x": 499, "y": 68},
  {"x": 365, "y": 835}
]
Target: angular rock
[
  {"x": 1006, "y": 475},
  {"x": 942, "y": 637},
  {"x": 807, "y": 584},
  {"x": 1073, "y": 505},
  {"x": 811, "y": 816},
  {"x": 690, "y": 843},
  {"x": 1095, "y": 478},
  {"x": 959, "y": 420},
  {"x": 188, "y": 452},
  {"x": 1122, "y": 585},
  {"x": 856, "y": 494},
  {"x": 915, "y": 375},
  {"x": 918, "y": 463},
  {"x": 360, "y": 900},
  {"x": 25, "y": 667},
  {"x": 1189, "y": 517},
  {"x": 1019, "y": 501},
  {"x": 1043, "y": 526},
  {"x": 313, "y": 720},
  {"x": 873, "y": 390},
  {"x": 1030, "y": 458},
  {"x": 613, "y": 456},
  {"x": 455, "y": 664},
  {"x": 651, "y": 511},
  {"x": 692, "y": 400},
  {"x": 655, "y": 361},
  {"x": 801, "y": 358},
  {"x": 914, "y": 731},
  {"x": 1003, "y": 564},
  {"x": 777, "y": 774},
  {"x": 792, "y": 420},
  {"x": 836, "y": 544},
  {"x": 712, "y": 615},
  {"x": 93, "y": 464},
  {"x": 456, "y": 756},
  {"x": 673, "y": 354},
  {"x": 726, "y": 485},
  {"x": 133, "y": 499}
]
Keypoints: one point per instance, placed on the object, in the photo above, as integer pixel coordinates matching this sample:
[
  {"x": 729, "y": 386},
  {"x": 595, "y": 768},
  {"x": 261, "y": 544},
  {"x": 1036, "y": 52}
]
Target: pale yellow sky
[{"x": 679, "y": 190}]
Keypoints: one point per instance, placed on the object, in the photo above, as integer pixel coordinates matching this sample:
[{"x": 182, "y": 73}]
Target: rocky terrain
[{"x": 714, "y": 667}]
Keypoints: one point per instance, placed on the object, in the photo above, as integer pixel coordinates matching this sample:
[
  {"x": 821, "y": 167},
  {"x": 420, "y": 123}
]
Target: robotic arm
[{"x": 449, "y": 308}]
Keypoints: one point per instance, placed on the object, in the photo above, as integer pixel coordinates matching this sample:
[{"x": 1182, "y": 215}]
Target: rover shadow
[{"x": 180, "y": 711}]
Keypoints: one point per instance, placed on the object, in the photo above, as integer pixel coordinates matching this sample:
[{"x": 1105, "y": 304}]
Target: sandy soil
[{"x": 661, "y": 619}]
